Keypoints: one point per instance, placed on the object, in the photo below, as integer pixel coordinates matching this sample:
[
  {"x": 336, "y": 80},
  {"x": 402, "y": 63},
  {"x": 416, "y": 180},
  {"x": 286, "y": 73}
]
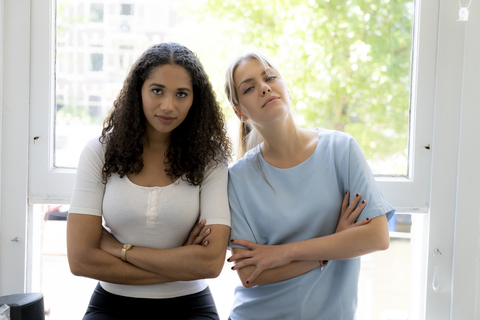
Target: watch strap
[{"x": 125, "y": 247}]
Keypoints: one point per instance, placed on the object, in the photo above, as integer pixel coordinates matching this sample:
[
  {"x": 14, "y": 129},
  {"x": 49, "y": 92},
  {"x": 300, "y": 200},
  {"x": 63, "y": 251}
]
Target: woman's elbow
[
  {"x": 75, "y": 268},
  {"x": 213, "y": 268},
  {"x": 213, "y": 272},
  {"x": 382, "y": 241},
  {"x": 211, "y": 263},
  {"x": 384, "y": 244},
  {"x": 79, "y": 266},
  {"x": 381, "y": 238}
]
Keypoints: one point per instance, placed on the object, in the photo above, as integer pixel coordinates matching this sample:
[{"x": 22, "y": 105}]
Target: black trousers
[{"x": 107, "y": 306}]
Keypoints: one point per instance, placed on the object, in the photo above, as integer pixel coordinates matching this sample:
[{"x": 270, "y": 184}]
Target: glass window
[
  {"x": 126, "y": 9},
  {"x": 347, "y": 65},
  {"x": 96, "y": 62},
  {"x": 96, "y": 12}
]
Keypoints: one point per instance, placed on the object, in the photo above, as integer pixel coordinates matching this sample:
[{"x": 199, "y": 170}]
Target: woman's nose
[
  {"x": 266, "y": 88},
  {"x": 167, "y": 104}
]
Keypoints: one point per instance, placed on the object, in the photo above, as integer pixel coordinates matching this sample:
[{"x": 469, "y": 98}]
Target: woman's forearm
[
  {"x": 98, "y": 264},
  {"x": 187, "y": 262},
  {"x": 291, "y": 270},
  {"x": 86, "y": 259},
  {"x": 348, "y": 244}
]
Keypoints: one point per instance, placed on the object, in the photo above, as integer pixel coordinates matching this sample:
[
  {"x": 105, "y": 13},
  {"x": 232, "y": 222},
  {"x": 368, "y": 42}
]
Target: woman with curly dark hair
[{"x": 157, "y": 177}]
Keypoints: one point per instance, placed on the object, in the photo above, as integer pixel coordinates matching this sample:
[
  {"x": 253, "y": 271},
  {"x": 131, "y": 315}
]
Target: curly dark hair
[{"x": 200, "y": 139}]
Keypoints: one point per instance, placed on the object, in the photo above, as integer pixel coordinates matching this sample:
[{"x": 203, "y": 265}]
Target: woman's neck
[
  {"x": 155, "y": 140},
  {"x": 285, "y": 145},
  {"x": 282, "y": 138}
]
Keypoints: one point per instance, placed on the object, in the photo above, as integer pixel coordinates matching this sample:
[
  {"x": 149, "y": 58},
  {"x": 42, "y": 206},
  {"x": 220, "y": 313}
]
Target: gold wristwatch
[{"x": 124, "y": 251}]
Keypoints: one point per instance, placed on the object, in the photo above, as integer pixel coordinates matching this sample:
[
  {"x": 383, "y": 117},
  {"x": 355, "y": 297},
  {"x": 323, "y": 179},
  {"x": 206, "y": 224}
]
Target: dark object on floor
[{"x": 25, "y": 306}]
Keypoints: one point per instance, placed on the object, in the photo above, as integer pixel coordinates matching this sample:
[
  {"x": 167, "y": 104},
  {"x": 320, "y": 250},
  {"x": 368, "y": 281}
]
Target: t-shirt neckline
[{"x": 260, "y": 155}]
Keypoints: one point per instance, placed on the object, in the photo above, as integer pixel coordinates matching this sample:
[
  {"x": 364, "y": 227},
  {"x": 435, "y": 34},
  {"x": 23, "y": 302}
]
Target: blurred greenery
[{"x": 347, "y": 64}]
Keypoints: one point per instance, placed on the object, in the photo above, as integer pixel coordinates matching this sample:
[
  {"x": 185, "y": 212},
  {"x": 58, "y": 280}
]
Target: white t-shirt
[{"x": 154, "y": 217}]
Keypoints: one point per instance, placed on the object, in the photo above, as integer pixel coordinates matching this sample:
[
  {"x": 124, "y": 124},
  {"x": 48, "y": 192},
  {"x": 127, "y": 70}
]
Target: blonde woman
[{"x": 291, "y": 208}]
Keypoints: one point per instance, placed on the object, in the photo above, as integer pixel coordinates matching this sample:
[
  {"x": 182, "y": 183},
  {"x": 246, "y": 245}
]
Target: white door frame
[{"x": 14, "y": 144}]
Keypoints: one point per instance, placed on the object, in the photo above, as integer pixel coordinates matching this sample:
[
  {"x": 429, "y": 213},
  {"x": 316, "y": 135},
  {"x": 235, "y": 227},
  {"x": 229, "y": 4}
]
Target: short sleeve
[
  {"x": 213, "y": 195},
  {"x": 89, "y": 190},
  {"x": 360, "y": 180},
  {"x": 240, "y": 226}
]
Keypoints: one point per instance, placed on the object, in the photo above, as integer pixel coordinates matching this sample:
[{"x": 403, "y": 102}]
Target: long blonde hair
[{"x": 248, "y": 136}]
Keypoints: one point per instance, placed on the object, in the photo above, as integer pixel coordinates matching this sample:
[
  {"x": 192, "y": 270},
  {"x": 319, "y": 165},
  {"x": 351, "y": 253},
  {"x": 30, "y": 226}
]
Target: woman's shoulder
[
  {"x": 245, "y": 162},
  {"x": 217, "y": 167},
  {"x": 94, "y": 148},
  {"x": 334, "y": 138},
  {"x": 333, "y": 134}
]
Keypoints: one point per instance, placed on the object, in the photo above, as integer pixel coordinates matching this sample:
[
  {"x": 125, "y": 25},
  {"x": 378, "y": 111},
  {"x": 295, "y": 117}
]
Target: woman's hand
[
  {"x": 109, "y": 244},
  {"x": 198, "y": 234},
  {"x": 350, "y": 213},
  {"x": 261, "y": 256}
]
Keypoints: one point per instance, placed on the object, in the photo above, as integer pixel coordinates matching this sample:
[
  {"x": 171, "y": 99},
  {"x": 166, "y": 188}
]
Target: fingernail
[
  {"x": 325, "y": 262},
  {"x": 228, "y": 259},
  {"x": 203, "y": 221},
  {"x": 231, "y": 268},
  {"x": 208, "y": 230},
  {"x": 364, "y": 201},
  {"x": 346, "y": 192},
  {"x": 368, "y": 219},
  {"x": 357, "y": 195},
  {"x": 205, "y": 243},
  {"x": 247, "y": 282},
  {"x": 232, "y": 240}
]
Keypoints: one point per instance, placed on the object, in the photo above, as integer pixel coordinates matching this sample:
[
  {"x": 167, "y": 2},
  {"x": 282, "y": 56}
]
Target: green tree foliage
[{"x": 347, "y": 64}]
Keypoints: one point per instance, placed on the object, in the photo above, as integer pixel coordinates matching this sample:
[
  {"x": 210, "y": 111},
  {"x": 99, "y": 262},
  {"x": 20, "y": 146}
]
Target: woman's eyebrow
[
  {"x": 163, "y": 87},
  {"x": 156, "y": 85},
  {"x": 251, "y": 79}
]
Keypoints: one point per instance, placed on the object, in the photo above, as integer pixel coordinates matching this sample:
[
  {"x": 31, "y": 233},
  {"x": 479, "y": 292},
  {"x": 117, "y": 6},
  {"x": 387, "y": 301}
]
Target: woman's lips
[
  {"x": 270, "y": 100},
  {"x": 165, "y": 119}
]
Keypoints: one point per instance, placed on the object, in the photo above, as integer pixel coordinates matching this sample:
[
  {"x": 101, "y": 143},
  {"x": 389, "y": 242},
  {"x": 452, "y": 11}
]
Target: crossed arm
[
  {"x": 95, "y": 253},
  {"x": 261, "y": 264}
]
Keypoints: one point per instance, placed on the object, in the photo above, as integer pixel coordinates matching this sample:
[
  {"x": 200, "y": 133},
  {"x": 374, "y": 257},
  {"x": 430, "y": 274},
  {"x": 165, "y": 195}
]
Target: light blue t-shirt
[{"x": 304, "y": 203}]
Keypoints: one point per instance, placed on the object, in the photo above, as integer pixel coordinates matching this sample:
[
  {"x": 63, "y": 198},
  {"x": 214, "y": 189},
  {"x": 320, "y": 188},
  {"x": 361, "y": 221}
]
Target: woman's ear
[{"x": 239, "y": 114}]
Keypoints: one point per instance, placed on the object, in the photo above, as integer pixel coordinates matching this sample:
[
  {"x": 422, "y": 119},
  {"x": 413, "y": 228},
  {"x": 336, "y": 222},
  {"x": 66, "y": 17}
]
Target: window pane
[
  {"x": 96, "y": 12},
  {"x": 96, "y": 62},
  {"x": 347, "y": 64},
  {"x": 384, "y": 289},
  {"x": 126, "y": 9}
]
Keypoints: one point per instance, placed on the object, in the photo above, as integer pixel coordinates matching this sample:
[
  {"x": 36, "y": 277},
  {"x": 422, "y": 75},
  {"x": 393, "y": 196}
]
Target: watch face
[{"x": 127, "y": 246}]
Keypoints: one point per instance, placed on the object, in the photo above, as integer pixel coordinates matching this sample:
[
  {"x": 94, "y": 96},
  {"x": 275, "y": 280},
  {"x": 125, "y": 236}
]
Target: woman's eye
[
  {"x": 182, "y": 94},
  {"x": 248, "y": 90},
  {"x": 157, "y": 91},
  {"x": 271, "y": 78}
]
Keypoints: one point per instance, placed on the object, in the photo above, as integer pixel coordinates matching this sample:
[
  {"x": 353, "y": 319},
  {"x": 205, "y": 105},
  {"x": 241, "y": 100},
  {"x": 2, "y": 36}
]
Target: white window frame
[
  {"x": 441, "y": 189},
  {"x": 410, "y": 194}
]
